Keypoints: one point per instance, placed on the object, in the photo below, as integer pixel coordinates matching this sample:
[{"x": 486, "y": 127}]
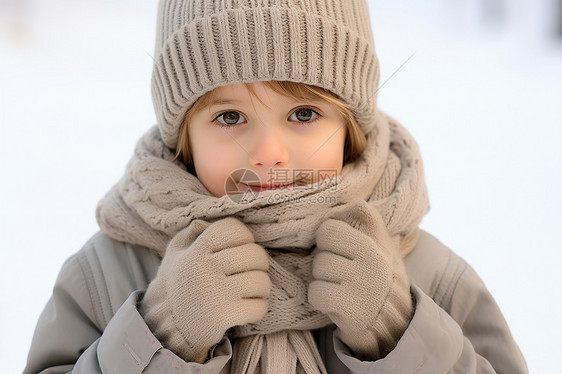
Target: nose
[{"x": 269, "y": 149}]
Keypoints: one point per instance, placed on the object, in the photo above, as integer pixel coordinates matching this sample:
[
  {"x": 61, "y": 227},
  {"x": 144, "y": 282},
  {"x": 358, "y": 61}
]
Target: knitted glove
[
  {"x": 212, "y": 277},
  {"x": 360, "y": 281}
]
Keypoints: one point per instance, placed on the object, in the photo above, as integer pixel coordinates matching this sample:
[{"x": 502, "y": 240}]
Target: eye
[
  {"x": 230, "y": 118},
  {"x": 303, "y": 115}
]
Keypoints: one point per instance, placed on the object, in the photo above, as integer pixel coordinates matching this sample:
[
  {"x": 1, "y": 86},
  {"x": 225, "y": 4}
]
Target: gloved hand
[
  {"x": 360, "y": 281},
  {"x": 212, "y": 277}
]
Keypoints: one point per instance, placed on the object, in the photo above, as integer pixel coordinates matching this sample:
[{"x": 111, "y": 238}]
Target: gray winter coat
[{"x": 91, "y": 323}]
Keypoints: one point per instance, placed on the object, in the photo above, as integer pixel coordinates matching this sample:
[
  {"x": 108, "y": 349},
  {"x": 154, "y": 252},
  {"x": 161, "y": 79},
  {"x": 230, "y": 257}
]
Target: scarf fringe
[{"x": 290, "y": 352}]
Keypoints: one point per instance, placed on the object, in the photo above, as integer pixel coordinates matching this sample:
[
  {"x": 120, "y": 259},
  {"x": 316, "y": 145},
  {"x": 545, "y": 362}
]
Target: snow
[{"x": 481, "y": 92}]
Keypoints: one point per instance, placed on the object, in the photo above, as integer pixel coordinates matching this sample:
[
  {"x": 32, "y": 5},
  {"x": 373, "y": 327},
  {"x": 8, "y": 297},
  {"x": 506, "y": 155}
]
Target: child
[{"x": 269, "y": 223}]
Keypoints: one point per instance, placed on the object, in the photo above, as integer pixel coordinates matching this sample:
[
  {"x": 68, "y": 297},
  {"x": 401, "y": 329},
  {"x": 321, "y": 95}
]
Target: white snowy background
[{"x": 481, "y": 91}]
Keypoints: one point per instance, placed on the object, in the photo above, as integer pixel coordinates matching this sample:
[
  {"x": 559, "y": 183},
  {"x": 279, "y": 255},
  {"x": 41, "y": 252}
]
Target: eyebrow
[{"x": 220, "y": 101}]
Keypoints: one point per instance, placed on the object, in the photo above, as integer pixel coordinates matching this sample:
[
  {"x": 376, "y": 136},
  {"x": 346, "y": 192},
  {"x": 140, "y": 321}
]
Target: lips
[{"x": 265, "y": 187}]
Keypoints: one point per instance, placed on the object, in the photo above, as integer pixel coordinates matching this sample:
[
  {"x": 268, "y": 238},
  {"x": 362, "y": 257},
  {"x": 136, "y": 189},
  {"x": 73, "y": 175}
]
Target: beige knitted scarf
[{"x": 157, "y": 197}]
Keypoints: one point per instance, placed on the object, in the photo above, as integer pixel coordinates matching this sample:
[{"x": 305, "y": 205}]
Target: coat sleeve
[
  {"x": 69, "y": 338},
  {"x": 473, "y": 338}
]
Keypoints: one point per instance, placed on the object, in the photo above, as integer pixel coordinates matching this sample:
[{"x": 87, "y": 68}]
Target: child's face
[{"x": 278, "y": 138}]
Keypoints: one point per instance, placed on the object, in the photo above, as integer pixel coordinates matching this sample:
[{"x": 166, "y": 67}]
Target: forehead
[
  {"x": 244, "y": 95},
  {"x": 265, "y": 91},
  {"x": 232, "y": 93}
]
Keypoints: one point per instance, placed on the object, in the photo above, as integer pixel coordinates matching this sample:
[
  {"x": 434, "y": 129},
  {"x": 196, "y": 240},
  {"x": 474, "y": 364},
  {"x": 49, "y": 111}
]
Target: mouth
[{"x": 266, "y": 186}]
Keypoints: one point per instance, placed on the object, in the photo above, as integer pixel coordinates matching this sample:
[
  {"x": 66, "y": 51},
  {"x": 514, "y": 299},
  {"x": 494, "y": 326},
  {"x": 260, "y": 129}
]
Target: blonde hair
[{"x": 355, "y": 140}]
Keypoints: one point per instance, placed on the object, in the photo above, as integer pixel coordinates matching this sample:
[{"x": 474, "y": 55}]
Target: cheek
[
  {"x": 205, "y": 149},
  {"x": 213, "y": 162},
  {"x": 326, "y": 151},
  {"x": 213, "y": 169}
]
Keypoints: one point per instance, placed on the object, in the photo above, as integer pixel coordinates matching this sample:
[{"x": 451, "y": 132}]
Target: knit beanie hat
[{"x": 205, "y": 44}]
